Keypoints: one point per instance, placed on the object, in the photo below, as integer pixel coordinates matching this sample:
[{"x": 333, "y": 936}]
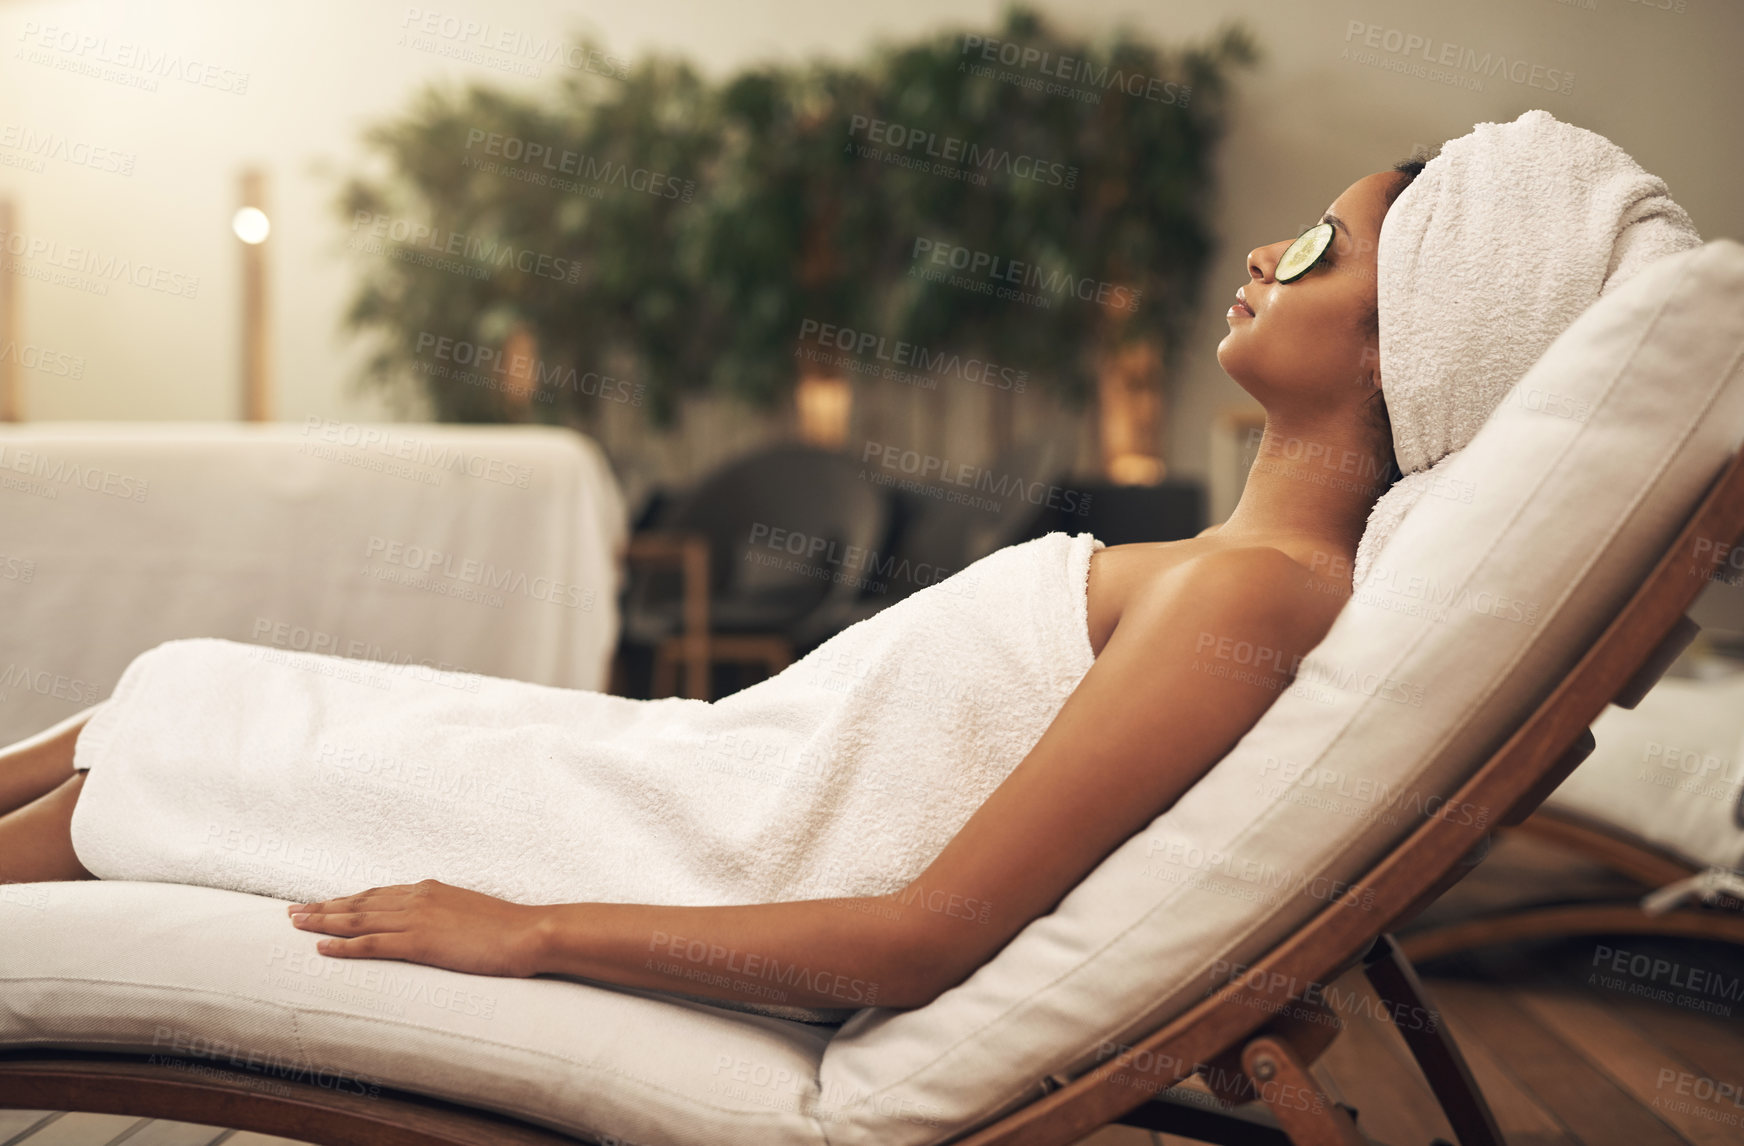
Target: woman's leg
[
  {"x": 37, "y": 766},
  {"x": 36, "y": 841}
]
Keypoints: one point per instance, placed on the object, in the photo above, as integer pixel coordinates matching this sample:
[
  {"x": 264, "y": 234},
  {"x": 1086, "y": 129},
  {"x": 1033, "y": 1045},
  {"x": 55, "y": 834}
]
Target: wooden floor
[
  {"x": 1562, "y": 1061},
  {"x": 40, "y": 1128},
  {"x": 1569, "y": 1049}
]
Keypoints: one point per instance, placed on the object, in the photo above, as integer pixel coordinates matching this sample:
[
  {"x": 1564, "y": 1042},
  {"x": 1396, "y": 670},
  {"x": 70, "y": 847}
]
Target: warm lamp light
[
  {"x": 824, "y": 406},
  {"x": 1135, "y": 469},
  {"x": 517, "y": 368},
  {"x": 251, "y": 225},
  {"x": 1129, "y": 394}
]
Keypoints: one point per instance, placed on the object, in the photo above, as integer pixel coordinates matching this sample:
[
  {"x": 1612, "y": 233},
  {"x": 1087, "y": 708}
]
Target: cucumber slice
[{"x": 1304, "y": 252}]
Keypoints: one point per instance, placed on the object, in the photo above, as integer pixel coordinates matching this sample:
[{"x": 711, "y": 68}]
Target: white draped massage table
[
  {"x": 1199, "y": 946},
  {"x": 492, "y": 550}
]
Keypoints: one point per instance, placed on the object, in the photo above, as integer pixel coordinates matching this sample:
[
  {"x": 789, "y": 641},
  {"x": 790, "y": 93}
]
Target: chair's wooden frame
[
  {"x": 689, "y": 552},
  {"x": 1249, "y": 1040},
  {"x": 695, "y": 646},
  {"x": 1635, "y": 859}
]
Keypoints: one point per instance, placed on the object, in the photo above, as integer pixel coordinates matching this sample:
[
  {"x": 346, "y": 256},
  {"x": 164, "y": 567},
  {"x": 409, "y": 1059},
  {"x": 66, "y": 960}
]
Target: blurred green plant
[{"x": 690, "y": 227}]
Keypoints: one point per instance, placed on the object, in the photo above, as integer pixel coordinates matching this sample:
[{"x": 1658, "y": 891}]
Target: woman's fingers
[
  {"x": 427, "y": 922},
  {"x": 377, "y": 945},
  {"x": 346, "y": 903},
  {"x": 380, "y": 923},
  {"x": 353, "y": 904},
  {"x": 352, "y": 922}
]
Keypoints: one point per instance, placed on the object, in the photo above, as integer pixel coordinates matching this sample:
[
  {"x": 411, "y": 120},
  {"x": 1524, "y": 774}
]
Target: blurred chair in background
[
  {"x": 778, "y": 551},
  {"x": 939, "y": 528},
  {"x": 779, "y": 537},
  {"x": 1169, "y": 510}
]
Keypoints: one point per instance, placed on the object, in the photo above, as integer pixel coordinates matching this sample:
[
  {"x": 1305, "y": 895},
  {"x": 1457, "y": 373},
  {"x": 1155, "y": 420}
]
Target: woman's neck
[{"x": 1313, "y": 482}]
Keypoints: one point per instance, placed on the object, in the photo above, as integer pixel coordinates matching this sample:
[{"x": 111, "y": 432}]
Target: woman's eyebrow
[{"x": 1329, "y": 217}]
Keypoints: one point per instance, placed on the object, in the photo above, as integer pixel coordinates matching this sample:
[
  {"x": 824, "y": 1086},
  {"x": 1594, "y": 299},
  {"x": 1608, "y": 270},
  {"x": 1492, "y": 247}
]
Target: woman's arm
[
  {"x": 1192, "y": 664},
  {"x": 1190, "y": 667},
  {"x": 804, "y": 953}
]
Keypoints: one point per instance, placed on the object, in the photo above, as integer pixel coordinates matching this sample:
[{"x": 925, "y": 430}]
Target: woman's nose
[{"x": 1262, "y": 261}]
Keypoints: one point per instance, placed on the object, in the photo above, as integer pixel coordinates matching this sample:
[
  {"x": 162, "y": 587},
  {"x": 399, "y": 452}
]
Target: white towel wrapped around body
[
  {"x": 304, "y": 777},
  {"x": 1497, "y": 246}
]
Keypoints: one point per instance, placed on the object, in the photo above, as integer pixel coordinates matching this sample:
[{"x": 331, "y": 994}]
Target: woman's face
[{"x": 1308, "y": 344}]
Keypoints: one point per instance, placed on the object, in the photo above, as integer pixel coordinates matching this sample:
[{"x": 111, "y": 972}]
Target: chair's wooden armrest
[
  {"x": 689, "y": 552},
  {"x": 666, "y": 546}
]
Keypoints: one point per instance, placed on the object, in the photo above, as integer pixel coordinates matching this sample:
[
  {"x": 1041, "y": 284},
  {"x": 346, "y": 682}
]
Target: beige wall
[
  {"x": 317, "y": 72},
  {"x": 1666, "y": 85}
]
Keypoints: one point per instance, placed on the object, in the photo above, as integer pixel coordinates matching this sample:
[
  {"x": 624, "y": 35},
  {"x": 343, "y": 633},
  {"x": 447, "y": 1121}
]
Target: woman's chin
[
  {"x": 1238, "y": 376},
  {"x": 1229, "y": 362}
]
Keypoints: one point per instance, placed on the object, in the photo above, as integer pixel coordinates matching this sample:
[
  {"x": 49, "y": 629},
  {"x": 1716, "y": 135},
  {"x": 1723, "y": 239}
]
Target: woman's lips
[{"x": 1241, "y": 307}]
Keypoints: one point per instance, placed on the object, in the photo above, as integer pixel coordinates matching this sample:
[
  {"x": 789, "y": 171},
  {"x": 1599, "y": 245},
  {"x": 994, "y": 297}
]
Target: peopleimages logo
[
  {"x": 501, "y": 47},
  {"x": 41, "y": 145},
  {"x": 954, "y": 150},
  {"x": 101, "y": 267},
  {"x": 471, "y": 571},
  {"x": 1029, "y": 283},
  {"x": 390, "y": 443},
  {"x": 1421, "y": 55},
  {"x": 863, "y": 343},
  {"x": 20, "y": 569},
  {"x": 928, "y": 468},
  {"x": 191, "y": 1044},
  {"x": 553, "y": 160},
  {"x": 489, "y": 252},
  {"x": 58, "y": 363},
  {"x": 24, "y": 678},
  {"x": 828, "y": 559},
  {"x": 1074, "y": 69},
  {"x": 545, "y": 377},
  {"x": 90, "y": 53},
  {"x": 54, "y": 473}
]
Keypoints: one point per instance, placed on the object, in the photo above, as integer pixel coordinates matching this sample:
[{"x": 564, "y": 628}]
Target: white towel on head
[{"x": 1500, "y": 243}]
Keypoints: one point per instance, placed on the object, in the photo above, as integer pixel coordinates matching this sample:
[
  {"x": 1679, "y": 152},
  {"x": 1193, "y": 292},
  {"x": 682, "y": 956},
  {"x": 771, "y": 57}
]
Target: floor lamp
[{"x": 252, "y": 226}]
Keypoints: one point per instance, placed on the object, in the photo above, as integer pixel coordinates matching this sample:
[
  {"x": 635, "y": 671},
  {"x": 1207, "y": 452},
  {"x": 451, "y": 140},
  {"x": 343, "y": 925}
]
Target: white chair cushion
[
  {"x": 1481, "y": 601},
  {"x": 222, "y": 977},
  {"x": 1669, "y": 771}
]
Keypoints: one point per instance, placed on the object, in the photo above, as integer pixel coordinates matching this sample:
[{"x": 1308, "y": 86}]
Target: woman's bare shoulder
[
  {"x": 1262, "y": 580},
  {"x": 1144, "y": 579}
]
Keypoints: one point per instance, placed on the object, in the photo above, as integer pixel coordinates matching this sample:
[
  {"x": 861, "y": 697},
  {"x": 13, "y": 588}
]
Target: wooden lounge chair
[
  {"x": 1649, "y": 827},
  {"x": 1250, "y": 1041},
  {"x": 1637, "y": 860},
  {"x": 1514, "y": 724},
  {"x": 1637, "y": 647}
]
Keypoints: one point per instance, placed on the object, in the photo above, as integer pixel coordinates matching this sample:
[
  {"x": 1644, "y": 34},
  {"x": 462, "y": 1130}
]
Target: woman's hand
[{"x": 430, "y": 922}]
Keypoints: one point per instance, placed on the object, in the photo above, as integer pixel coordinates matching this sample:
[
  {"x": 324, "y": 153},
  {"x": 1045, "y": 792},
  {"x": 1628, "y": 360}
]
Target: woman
[
  {"x": 1115, "y": 755},
  {"x": 1076, "y": 739}
]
